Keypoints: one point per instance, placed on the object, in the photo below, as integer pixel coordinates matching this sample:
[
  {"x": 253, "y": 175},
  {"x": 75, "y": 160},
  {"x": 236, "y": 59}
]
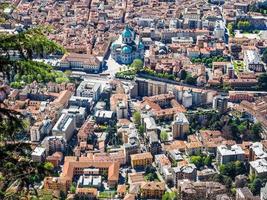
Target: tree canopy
[{"x": 16, "y": 165}]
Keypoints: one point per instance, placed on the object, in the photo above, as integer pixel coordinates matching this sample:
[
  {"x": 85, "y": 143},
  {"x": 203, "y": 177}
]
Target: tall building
[
  {"x": 65, "y": 126},
  {"x": 180, "y": 126},
  {"x": 220, "y": 103},
  {"x": 127, "y": 47},
  {"x": 40, "y": 129},
  {"x": 54, "y": 144}
]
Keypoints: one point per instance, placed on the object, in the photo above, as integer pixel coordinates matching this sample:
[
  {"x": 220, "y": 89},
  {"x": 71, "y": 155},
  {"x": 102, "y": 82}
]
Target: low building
[
  {"x": 90, "y": 193},
  {"x": 89, "y": 89},
  {"x": 200, "y": 190},
  {"x": 152, "y": 190},
  {"x": 55, "y": 184},
  {"x": 258, "y": 167},
  {"x": 104, "y": 116},
  {"x": 188, "y": 171},
  {"x": 227, "y": 154},
  {"x": 162, "y": 161},
  {"x": 256, "y": 151},
  {"x": 141, "y": 159},
  {"x": 85, "y": 102},
  {"x": 80, "y": 62},
  {"x": 253, "y": 61},
  {"x": 245, "y": 194}
]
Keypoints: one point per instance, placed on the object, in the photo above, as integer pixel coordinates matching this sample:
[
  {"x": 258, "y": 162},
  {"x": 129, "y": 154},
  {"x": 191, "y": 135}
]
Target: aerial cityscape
[{"x": 133, "y": 99}]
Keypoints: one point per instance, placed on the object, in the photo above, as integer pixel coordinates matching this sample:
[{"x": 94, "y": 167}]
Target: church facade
[{"x": 127, "y": 47}]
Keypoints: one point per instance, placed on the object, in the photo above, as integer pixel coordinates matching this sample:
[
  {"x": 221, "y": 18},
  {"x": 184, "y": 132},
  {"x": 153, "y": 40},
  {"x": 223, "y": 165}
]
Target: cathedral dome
[{"x": 126, "y": 49}]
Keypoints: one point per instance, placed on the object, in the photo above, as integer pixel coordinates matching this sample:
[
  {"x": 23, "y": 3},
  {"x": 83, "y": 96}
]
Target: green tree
[
  {"x": 183, "y": 74},
  {"x": 72, "y": 188},
  {"x": 137, "y": 64},
  {"x": 197, "y": 160},
  {"x": 256, "y": 128},
  {"x": 230, "y": 27},
  {"x": 244, "y": 25},
  {"x": 169, "y": 196},
  {"x": 141, "y": 130},
  {"x": 191, "y": 80},
  {"x": 207, "y": 161},
  {"x": 137, "y": 118},
  {"x": 262, "y": 81},
  {"x": 256, "y": 186},
  {"x": 48, "y": 166},
  {"x": 163, "y": 136}
]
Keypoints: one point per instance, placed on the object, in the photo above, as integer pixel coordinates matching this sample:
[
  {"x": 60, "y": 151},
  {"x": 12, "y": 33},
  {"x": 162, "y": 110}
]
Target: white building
[
  {"x": 253, "y": 61},
  {"x": 38, "y": 154},
  {"x": 162, "y": 161},
  {"x": 219, "y": 30},
  {"x": 187, "y": 100},
  {"x": 121, "y": 110},
  {"x": 264, "y": 192},
  {"x": 78, "y": 112},
  {"x": 226, "y": 154},
  {"x": 258, "y": 167},
  {"x": 89, "y": 89},
  {"x": 65, "y": 126}
]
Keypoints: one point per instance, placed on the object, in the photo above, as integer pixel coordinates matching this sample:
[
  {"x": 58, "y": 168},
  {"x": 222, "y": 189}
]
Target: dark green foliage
[
  {"x": 159, "y": 75},
  {"x": 29, "y": 43},
  {"x": 201, "y": 160},
  {"x": 232, "y": 169},
  {"x": 256, "y": 186},
  {"x": 263, "y": 82},
  {"x": 208, "y": 61},
  {"x": 169, "y": 196}
]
